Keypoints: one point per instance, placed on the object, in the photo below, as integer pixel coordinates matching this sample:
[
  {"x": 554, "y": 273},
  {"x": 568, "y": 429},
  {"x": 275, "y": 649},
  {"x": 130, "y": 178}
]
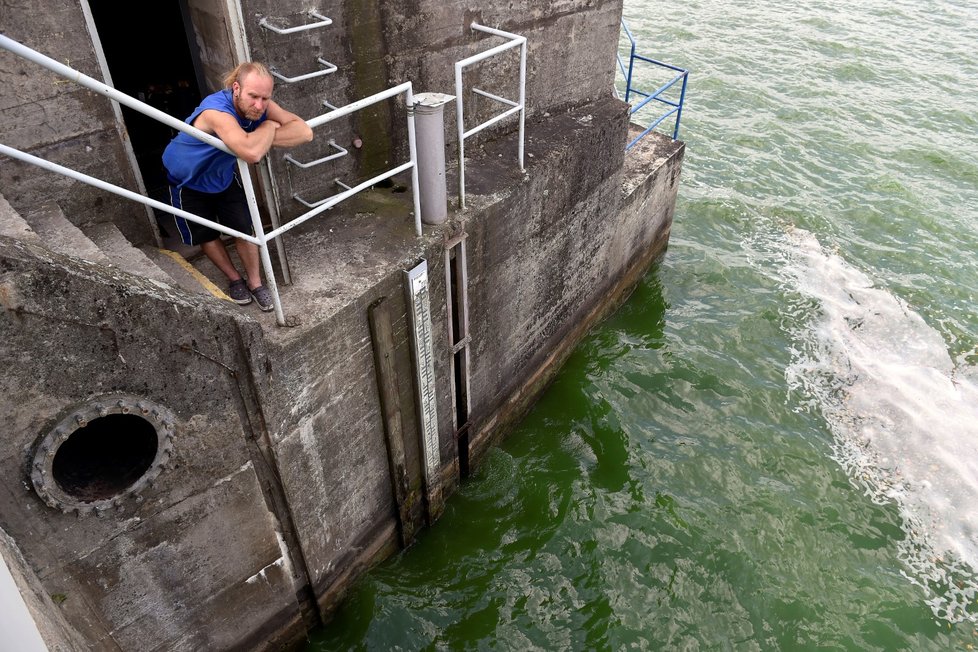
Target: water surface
[{"x": 774, "y": 444}]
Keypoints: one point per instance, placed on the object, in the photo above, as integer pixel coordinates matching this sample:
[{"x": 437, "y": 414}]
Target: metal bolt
[{"x": 101, "y": 409}]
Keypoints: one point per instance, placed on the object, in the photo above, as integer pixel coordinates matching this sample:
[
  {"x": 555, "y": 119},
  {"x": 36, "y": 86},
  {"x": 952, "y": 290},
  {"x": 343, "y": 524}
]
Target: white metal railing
[
  {"x": 515, "y": 40},
  {"x": 325, "y": 204},
  {"x": 260, "y": 239}
]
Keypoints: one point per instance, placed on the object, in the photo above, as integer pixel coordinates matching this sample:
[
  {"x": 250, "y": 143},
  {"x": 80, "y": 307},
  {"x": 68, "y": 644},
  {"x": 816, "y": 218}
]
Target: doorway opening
[{"x": 154, "y": 58}]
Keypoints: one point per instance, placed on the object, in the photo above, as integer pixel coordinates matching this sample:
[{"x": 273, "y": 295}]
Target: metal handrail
[
  {"x": 322, "y": 21},
  {"x": 260, "y": 239},
  {"x": 515, "y": 40},
  {"x": 122, "y": 192},
  {"x": 656, "y": 95}
]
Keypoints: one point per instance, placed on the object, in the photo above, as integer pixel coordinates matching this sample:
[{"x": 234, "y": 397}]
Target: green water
[{"x": 774, "y": 444}]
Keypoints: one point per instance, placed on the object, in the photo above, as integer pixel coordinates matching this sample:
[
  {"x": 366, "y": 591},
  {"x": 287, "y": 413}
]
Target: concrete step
[
  {"x": 123, "y": 254},
  {"x": 15, "y": 226},
  {"x": 61, "y": 236},
  {"x": 183, "y": 273}
]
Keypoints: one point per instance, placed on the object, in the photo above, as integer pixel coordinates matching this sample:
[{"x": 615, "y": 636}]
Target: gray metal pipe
[{"x": 429, "y": 115}]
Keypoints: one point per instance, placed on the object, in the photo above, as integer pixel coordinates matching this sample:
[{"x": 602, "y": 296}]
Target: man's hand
[
  {"x": 293, "y": 129},
  {"x": 248, "y": 146}
]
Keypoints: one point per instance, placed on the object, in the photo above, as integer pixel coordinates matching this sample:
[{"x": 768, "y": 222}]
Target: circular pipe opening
[{"x": 105, "y": 457}]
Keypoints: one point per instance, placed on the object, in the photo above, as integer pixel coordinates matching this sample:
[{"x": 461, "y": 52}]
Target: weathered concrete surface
[
  {"x": 377, "y": 44},
  {"x": 572, "y": 286},
  {"x": 58, "y": 120},
  {"x": 204, "y": 545},
  {"x": 547, "y": 264}
]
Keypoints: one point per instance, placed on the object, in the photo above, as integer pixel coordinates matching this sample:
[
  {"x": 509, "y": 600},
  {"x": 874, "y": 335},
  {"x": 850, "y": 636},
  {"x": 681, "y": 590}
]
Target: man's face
[{"x": 251, "y": 95}]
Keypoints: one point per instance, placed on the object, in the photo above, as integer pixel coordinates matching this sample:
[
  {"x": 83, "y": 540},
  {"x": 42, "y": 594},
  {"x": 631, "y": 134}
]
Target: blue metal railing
[{"x": 656, "y": 95}]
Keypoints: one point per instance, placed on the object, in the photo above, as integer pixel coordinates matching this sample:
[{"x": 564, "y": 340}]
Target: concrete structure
[{"x": 180, "y": 473}]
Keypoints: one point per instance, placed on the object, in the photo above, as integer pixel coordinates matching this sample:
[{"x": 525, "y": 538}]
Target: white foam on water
[{"x": 903, "y": 415}]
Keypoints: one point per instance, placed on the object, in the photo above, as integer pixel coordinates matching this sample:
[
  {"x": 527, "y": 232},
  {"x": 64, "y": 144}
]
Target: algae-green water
[{"x": 773, "y": 445}]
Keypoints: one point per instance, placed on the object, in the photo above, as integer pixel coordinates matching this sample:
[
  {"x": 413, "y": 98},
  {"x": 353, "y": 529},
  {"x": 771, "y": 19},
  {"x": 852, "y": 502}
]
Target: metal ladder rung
[
  {"x": 322, "y": 21},
  {"x": 329, "y": 67},
  {"x": 340, "y": 153},
  {"x": 314, "y": 204}
]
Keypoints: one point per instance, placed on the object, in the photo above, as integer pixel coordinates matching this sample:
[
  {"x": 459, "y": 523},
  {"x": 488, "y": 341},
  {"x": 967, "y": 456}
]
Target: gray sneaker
[
  {"x": 264, "y": 298},
  {"x": 239, "y": 293}
]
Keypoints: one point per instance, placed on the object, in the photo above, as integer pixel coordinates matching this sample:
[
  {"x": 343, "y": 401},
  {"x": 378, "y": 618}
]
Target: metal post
[
  {"x": 522, "y": 98},
  {"x": 429, "y": 115},
  {"x": 413, "y": 147},
  {"x": 461, "y": 135},
  {"x": 266, "y": 260},
  {"x": 271, "y": 199},
  {"x": 679, "y": 113}
]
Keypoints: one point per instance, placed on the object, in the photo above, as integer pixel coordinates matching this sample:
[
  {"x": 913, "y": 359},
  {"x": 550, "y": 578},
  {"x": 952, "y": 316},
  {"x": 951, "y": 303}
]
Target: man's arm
[
  {"x": 294, "y": 130},
  {"x": 249, "y": 146}
]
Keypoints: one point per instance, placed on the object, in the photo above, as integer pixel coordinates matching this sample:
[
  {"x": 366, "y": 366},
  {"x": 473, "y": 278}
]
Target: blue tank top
[{"x": 194, "y": 164}]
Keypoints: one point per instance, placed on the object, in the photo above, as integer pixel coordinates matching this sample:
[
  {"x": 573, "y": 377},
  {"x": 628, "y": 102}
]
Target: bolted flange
[{"x": 45, "y": 453}]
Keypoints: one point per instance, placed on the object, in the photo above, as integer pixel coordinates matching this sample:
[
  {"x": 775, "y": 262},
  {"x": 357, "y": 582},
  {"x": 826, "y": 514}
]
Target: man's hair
[{"x": 243, "y": 70}]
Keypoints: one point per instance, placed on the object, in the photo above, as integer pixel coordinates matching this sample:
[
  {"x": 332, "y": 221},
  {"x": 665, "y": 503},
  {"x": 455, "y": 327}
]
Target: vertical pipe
[
  {"x": 631, "y": 62},
  {"x": 272, "y": 201},
  {"x": 413, "y": 146},
  {"x": 430, "y": 122},
  {"x": 461, "y": 136},
  {"x": 679, "y": 113},
  {"x": 522, "y": 97},
  {"x": 266, "y": 260}
]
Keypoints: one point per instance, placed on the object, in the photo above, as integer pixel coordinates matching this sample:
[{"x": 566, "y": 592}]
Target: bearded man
[{"x": 204, "y": 180}]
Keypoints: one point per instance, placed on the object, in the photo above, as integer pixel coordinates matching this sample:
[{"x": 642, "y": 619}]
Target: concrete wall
[
  {"x": 323, "y": 407},
  {"x": 50, "y": 117},
  {"x": 201, "y": 546},
  {"x": 377, "y": 44}
]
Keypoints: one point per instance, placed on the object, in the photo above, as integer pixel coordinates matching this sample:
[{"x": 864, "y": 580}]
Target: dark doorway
[{"x": 150, "y": 52}]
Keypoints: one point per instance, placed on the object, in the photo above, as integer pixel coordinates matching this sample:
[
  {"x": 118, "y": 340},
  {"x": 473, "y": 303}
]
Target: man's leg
[
  {"x": 218, "y": 255},
  {"x": 251, "y": 261},
  {"x": 235, "y": 214},
  {"x": 250, "y": 257}
]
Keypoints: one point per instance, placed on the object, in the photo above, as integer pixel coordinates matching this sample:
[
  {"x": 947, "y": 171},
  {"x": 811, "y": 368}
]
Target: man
[{"x": 203, "y": 179}]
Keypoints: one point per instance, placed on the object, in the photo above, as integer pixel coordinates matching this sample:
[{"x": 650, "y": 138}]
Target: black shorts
[{"x": 228, "y": 208}]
